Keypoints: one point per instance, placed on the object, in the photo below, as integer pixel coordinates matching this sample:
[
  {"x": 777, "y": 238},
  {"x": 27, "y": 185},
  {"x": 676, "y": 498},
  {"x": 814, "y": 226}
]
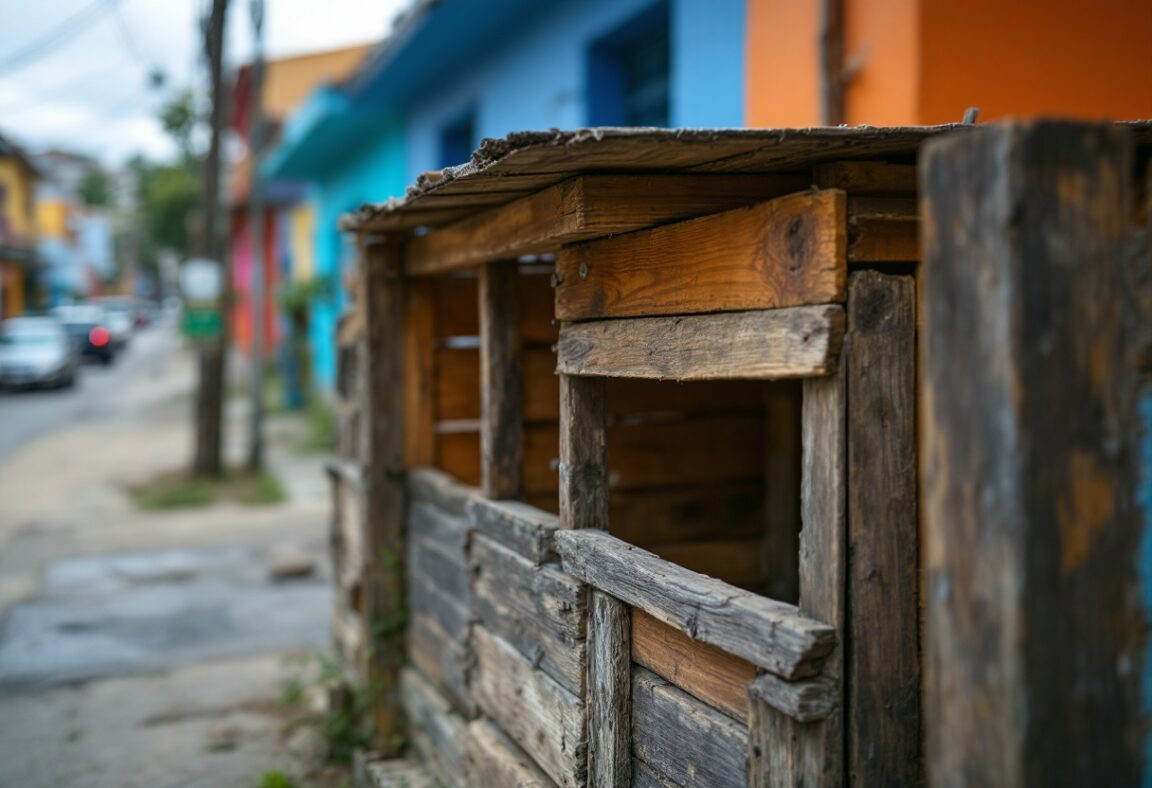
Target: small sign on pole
[{"x": 201, "y": 282}]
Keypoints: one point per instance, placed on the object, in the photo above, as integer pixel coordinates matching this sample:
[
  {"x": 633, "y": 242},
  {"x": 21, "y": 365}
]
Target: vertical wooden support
[
  {"x": 583, "y": 453},
  {"x": 881, "y": 652},
  {"x": 783, "y": 752},
  {"x": 420, "y": 416},
  {"x": 1030, "y": 463},
  {"x": 382, "y": 455},
  {"x": 609, "y": 693},
  {"x": 501, "y": 390}
]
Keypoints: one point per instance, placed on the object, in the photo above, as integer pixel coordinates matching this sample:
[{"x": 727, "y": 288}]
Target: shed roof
[{"x": 502, "y": 170}]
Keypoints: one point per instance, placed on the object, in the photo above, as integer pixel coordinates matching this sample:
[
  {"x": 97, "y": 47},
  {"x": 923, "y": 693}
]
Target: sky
[{"x": 74, "y": 74}]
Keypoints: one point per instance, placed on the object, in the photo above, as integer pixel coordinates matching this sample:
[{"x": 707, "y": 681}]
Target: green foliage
[
  {"x": 277, "y": 779},
  {"x": 321, "y": 435},
  {"x": 344, "y": 727},
  {"x": 179, "y": 490},
  {"x": 95, "y": 189},
  {"x": 297, "y": 295},
  {"x": 168, "y": 195},
  {"x": 179, "y": 117},
  {"x": 291, "y": 691}
]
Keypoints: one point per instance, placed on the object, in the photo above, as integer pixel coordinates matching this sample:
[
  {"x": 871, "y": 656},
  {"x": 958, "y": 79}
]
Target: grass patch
[
  {"x": 180, "y": 490},
  {"x": 320, "y": 437},
  {"x": 277, "y": 779}
]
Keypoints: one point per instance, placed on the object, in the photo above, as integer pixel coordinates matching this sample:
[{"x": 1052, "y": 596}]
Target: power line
[{"x": 56, "y": 37}]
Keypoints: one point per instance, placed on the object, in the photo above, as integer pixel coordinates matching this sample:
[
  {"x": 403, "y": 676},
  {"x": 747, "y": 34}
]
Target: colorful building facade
[{"x": 18, "y": 178}]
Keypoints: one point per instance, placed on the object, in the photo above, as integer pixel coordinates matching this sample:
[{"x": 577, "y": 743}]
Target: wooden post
[
  {"x": 609, "y": 693},
  {"x": 501, "y": 394},
  {"x": 583, "y": 453},
  {"x": 382, "y": 456},
  {"x": 882, "y": 651},
  {"x": 1030, "y": 464},
  {"x": 783, "y": 751},
  {"x": 419, "y": 376}
]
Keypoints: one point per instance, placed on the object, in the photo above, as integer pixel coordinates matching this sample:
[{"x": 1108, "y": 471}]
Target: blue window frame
[{"x": 629, "y": 72}]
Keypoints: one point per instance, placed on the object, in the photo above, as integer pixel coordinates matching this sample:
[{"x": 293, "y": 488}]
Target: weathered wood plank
[
  {"x": 782, "y": 751},
  {"x": 446, "y": 571},
  {"x": 781, "y": 491},
  {"x": 683, "y": 739},
  {"x": 382, "y": 448},
  {"x": 501, "y": 391},
  {"x": 540, "y": 611},
  {"x": 698, "y": 451},
  {"x": 441, "y": 490},
  {"x": 524, "y": 529},
  {"x": 786, "y": 252},
  {"x": 542, "y": 717},
  {"x": 644, "y": 776},
  {"x": 436, "y": 526},
  {"x": 455, "y": 383},
  {"x": 882, "y": 670},
  {"x": 583, "y": 454},
  {"x": 867, "y": 177},
  {"x": 713, "y": 676},
  {"x": 797, "y": 342},
  {"x": 443, "y": 660},
  {"x": 586, "y": 206},
  {"x": 807, "y": 700},
  {"x": 451, "y": 613},
  {"x": 687, "y": 512},
  {"x": 419, "y": 379},
  {"x": 736, "y": 561},
  {"x": 1030, "y": 460},
  {"x": 609, "y": 692},
  {"x": 767, "y": 633},
  {"x": 455, "y": 304},
  {"x": 495, "y": 762},
  {"x": 458, "y": 452},
  {"x": 441, "y": 731}
]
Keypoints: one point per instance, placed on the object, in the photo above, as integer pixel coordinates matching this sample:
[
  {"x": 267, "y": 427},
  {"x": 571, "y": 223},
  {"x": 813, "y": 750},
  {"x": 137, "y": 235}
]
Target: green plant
[
  {"x": 321, "y": 435},
  {"x": 179, "y": 490},
  {"x": 277, "y": 779},
  {"x": 291, "y": 691}
]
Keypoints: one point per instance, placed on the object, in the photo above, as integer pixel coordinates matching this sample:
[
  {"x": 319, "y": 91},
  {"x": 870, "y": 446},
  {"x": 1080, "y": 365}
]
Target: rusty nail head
[{"x": 583, "y": 270}]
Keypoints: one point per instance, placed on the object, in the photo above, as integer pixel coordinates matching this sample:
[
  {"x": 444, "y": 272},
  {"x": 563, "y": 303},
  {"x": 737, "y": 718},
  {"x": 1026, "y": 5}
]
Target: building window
[
  {"x": 628, "y": 72},
  {"x": 457, "y": 140}
]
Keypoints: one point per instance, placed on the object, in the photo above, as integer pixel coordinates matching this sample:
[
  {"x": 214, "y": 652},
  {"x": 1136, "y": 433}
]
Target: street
[{"x": 147, "y": 647}]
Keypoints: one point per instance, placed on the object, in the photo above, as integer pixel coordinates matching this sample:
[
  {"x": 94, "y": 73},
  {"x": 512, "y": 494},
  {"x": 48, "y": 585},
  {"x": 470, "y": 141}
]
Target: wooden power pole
[
  {"x": 256, "y": 139},
  {"x": 210, "y": 395}
]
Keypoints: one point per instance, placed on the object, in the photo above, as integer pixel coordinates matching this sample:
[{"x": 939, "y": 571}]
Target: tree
[{"x": 95, "y": 190}]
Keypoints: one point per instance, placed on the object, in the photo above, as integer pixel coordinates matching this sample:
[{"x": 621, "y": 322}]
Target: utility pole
[
  {"x": 210, "y": 395},
  {"x": 256, "y": 228}
]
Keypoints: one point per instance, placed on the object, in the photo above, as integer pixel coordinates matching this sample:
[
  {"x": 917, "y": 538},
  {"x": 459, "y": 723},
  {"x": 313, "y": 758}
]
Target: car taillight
[{"x": 98, "y": 336}]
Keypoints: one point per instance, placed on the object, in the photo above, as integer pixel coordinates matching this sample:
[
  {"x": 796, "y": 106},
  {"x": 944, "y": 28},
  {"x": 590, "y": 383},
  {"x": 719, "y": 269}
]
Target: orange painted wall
[
  {"x": 1076, "y": 58},
  {"x": 782, "y": 76},
  {"x": 881, "y": 50}
]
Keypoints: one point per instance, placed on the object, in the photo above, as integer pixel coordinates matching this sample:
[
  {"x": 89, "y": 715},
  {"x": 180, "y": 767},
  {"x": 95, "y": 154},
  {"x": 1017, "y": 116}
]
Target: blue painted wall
[{"x": 537, "y": 76}]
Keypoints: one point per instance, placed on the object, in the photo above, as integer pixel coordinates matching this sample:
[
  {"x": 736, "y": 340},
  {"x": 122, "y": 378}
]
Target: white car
[{"x": 36, "y": 351}]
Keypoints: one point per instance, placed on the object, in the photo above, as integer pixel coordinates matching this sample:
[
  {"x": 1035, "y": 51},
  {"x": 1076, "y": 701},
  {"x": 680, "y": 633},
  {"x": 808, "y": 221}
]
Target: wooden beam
[
  {"x": 882, "y": 662},
  {"x": 1032, "y": 516},
  {"x": 609, "y": 693},
  {"x": 773, "y": 635},
  {"x": 883, "y": 230},
  {"x": 501, "y": 392},
  {"x": 419, "y": 377},
  {"x": 382, "y": 448},
  {"x": 774, "y": 344},
  {"x": 790, "y": 251},
  {"x": 493, "y": 760},
  {"x": 783, "y": 751},
  {"x": 583, "y": 207},
  {"x": 703, "y": 671},
  {"x": 867, "y": 177},
  {"x": 583, "y": 453},
  {"x": 807, "y": 700}
]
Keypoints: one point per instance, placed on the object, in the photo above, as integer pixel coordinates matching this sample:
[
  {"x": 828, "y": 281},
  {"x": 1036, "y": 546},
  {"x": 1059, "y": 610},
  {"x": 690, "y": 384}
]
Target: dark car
[
  {"x": 36, "y": 351},
  {"x": 87, "y": 324}
]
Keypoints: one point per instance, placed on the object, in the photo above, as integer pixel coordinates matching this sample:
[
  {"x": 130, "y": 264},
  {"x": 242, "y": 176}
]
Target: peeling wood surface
[
  {"x": 437, "y": 487},
  {"x": 542, "y": 717},
  {"x": 768, "y": 633},
  {"x": 1030, "y": 460},
  {"x": 684, "y": 740},
  {"x": 441, "y": 659},
  {"x": 494, "y": 761},
  {"x": 609, "y": 693},
  {"x": 523, "y": 529},
  {"x": 774, "y": 344},
  {"x": 439, "y": 733},
  {"x": 790, "y": 251},
  {"x": 707, "y": 673}
]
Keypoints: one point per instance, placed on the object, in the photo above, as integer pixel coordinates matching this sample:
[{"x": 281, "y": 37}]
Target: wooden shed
[{"x": 628, "y": 491}]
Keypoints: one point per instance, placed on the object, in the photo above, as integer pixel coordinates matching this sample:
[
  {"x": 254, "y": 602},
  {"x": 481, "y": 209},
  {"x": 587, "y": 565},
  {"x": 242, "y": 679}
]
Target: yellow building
[{"x": 17, "y": 228}]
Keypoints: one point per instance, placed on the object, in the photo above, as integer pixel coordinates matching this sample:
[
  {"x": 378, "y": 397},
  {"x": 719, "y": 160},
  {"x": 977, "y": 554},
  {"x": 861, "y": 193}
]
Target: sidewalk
[{"x": 142, "y": 648}]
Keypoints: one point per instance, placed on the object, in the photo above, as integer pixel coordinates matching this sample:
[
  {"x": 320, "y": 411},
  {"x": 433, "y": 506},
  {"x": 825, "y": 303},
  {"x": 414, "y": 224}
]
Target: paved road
[{"x": 27, "y": 414}]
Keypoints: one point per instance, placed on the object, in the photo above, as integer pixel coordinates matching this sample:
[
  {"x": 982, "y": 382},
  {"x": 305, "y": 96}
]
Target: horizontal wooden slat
[
  {"x": 543, "y": 718},
  {"x": 786, "y": 252},
  {"x": 494, "y": 761},
  {"x": 441, "y": 659},
  {"x": 867, "y": 177},
  {"x": 456, "y": 306},
  {"x": 770, "y": 634},
  {"x": 443, "y": 733},
  {"x": 456, "y": 383},
  {"x": 696, "y": 451},
  {"x": 683, "y": 739},
  {"x": 538, "y": 610},
  {"x": 523, "y": 529},
  {"x": 435, "y": 525},
  {"x": 447, "y": 572},
  {"x": 806, "y": 700},
  {"x": 736, "y": 561},
  {"x": 717, "y": 678},
  {"x": 427, "y": 599},
  {"x": 586, "y": 206},
  {"x": 644, "y": 776},
  {"x": 458, "y": 455},
  {"x": 437, "y": 487},
  {"x": 883, "y": 230},
  {"x": 796, "y": 342},
  {"x": 686, "y": 513}
]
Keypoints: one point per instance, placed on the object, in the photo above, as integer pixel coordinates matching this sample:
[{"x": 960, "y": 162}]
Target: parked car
[
  {"x": 120, "y": 316},
  {"x": 87, "y": 324},
  {"x": 36, "y": 351}
]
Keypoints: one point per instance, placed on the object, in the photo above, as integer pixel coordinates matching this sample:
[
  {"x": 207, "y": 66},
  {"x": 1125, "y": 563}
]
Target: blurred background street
[{"x": 146, "y": 646}]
